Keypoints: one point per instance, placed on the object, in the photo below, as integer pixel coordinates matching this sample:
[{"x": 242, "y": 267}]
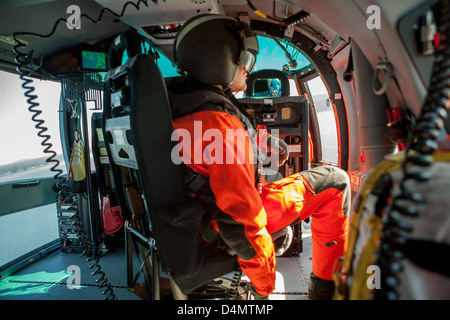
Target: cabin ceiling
[
  {"x": 328, "y": 20},
  {"x": 45, "y": 37}
]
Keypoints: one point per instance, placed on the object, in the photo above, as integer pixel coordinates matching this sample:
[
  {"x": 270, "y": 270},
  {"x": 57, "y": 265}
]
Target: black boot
[{"x": 320, "y": 289}]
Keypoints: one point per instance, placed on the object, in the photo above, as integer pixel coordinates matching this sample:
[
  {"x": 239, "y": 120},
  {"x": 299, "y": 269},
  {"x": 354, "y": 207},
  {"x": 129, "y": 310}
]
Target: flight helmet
[{"x": 211, "y": 47}]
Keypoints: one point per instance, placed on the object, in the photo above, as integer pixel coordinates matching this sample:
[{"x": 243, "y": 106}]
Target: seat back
[
  {"x": 274, "y": 108},
  {"x": 267, "y": 83},
  {"x": 138, "y": 130},
  {"x": 287, "y": 118}
]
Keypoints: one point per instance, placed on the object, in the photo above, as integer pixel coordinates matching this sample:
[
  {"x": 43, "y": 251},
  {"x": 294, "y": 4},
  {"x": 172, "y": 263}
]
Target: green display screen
[{"x": 92, "y": 60}]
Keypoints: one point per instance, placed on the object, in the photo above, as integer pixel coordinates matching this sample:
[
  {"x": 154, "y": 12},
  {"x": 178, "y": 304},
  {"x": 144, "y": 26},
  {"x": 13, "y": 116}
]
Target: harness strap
[{"x": 183, "y": 102}]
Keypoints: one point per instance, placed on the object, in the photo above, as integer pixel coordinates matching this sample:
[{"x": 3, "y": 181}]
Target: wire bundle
[{"x": 25, "y": 69}]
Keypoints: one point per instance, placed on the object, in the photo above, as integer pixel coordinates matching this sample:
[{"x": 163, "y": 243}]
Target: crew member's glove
[
  {"x": 256, "y": 295},
  {"x": 278, "y": 148}
]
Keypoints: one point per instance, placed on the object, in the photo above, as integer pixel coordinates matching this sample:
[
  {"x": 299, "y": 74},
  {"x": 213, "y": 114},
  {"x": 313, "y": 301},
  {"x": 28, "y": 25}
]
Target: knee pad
[{"x": 325, "y": 177}]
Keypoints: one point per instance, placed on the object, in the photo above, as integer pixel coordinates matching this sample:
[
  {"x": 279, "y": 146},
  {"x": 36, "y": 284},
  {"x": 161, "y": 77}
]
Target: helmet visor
[{"x": 249, "y": 61}]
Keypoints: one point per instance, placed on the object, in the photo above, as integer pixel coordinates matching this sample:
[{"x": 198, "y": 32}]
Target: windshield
[
  {"x": 270, "y": 56},
  {"x": 166, "y": 66}
]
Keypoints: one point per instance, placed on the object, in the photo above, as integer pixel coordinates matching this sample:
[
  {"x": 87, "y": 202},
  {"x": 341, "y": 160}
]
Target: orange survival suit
[{"x": 203, "y": 117}]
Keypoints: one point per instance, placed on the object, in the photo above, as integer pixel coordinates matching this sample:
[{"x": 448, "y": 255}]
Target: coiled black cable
[
  {"x": 92, "y": 253},
  {"x": 103, "y": 280},
  {"x": 33, "y": 108},
  {"x": 24, "y": 68},
  {"x": 233, "y": 292},
  {"x": 419, "y": 152}
]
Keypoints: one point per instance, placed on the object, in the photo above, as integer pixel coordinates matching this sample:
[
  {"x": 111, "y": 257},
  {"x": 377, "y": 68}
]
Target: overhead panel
[{"x": 160, "y": 20}]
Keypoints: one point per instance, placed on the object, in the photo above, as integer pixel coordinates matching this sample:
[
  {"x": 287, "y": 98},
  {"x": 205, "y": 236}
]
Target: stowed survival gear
[
  {"x": 400, "y": 227},
  {"x": 414, "y": 259}
]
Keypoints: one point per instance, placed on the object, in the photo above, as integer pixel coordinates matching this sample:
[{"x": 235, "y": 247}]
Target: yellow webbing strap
[{"x": 77, "y": 166}]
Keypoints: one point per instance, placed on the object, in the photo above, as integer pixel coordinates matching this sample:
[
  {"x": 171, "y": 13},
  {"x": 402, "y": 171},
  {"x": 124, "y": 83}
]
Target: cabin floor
[{"x": 47, "y": 278}]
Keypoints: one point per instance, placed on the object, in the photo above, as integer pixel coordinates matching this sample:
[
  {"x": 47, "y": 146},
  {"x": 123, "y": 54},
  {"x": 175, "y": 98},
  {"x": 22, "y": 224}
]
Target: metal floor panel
[{"x": 46, "y": 279}]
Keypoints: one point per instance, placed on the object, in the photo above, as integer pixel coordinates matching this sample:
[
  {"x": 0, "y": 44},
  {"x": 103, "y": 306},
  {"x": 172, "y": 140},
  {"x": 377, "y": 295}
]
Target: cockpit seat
[
  {"x": 138, "y": 128},
  {"x": 269, "y": 102}
]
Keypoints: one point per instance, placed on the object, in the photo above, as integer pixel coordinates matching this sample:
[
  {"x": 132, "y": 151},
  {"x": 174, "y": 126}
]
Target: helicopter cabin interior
[{"x": 341, "y": 82}]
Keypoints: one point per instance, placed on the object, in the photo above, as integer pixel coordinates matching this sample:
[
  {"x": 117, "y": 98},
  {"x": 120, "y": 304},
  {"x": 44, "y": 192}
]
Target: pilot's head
[{"x": 212, "y": 48}]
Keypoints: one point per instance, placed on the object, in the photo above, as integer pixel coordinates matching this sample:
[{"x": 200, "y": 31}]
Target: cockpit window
[
  {"x": 22, "y": 153},
  {"x": 272, "y": 55},
  {"x": 166, "y": 66}
]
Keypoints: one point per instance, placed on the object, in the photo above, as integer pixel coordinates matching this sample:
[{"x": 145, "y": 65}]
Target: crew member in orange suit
[{"x": 215, "y": 53}]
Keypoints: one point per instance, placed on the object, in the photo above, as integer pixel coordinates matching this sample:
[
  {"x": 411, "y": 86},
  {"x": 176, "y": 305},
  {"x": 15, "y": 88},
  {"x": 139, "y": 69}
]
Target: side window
[
  {"x": 293, "y": 88},
  {"x": 22, "y": 158},
  {"x": 326, "y": 120},
  {"x": 166, "y": 66},
  {"x": 21, "y": 149}
]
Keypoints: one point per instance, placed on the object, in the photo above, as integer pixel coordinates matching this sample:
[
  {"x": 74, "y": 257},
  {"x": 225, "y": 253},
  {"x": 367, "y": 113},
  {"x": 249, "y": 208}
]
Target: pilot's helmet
[{"x": 211, "y": 47}]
